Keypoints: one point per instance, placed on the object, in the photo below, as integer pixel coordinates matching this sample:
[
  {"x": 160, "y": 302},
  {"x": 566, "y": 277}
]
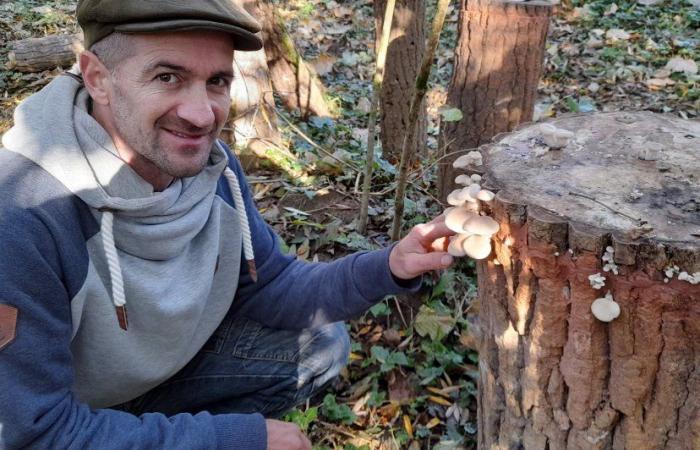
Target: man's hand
[
  {"x": 422, "y": 250},
  {"x": 285, "y": 436}
]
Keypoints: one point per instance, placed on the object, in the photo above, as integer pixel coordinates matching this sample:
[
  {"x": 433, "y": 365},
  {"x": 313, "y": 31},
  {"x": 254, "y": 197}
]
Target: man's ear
[{"x": 96, "y": 77}]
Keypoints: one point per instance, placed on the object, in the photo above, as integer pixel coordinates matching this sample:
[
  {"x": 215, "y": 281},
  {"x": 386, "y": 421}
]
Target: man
[{"x": 144, "y": 303}]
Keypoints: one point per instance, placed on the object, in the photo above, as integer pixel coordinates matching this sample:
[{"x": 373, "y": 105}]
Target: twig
[
  {"x": 398, "y": 307},
  {"x": 593, "y": 199},
  {"x": 372, "y": 120}
]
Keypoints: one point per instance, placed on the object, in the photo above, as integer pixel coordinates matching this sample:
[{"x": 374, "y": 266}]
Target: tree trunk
[
  {"x": 552, "y": 375},
  {"x": 45, "y": 53},
  {"x": 498, "y": 63},
  {"x": 296, "y": 82},
  {"x": 252, "y": 124},
  {"x": 406, "y": 48}
]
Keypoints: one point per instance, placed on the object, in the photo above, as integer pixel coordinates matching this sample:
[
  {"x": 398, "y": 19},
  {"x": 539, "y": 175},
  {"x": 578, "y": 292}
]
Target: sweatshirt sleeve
[
  {"x": 294, "y": 294},
  {"x": 37, "y": 408}
]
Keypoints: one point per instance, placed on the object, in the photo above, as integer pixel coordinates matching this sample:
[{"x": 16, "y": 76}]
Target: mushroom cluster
[{"x": 464, "y": 217}]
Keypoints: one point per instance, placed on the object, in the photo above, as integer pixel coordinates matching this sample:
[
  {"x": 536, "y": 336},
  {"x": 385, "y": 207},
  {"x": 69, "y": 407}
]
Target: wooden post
[
  {"x": 498, "y": 63},
  {"x": 625, "y": 192}
]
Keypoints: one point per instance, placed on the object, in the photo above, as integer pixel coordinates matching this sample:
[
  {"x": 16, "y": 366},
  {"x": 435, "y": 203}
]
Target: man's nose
[{"x": 197, "y": 108}]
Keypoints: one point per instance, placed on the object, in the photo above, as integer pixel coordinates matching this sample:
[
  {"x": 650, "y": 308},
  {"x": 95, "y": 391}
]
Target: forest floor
[{"x": 412, "y": 379}]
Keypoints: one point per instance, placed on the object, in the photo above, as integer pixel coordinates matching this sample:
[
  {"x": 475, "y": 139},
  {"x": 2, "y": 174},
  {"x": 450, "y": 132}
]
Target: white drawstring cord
[
  {"x": 115, "y": 270},
  {"x": 248, "y": 253}
]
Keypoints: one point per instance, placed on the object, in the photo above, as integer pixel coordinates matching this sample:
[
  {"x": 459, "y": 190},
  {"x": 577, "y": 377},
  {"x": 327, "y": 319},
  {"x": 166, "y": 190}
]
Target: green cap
[{"x": 100, "y": 18}]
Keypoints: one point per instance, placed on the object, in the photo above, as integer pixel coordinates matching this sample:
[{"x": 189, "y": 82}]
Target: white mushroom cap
[
  {"x": 455, "y": 198},
  {"x": 477, "y": 247},
  {"x": 476, "y": 178},
  {"x": 456, "y": 219},
  {"x": 463, "y": 180},
  {"x": 605, "y": 309},
  {"x": 555, "y": 137},
  {"x": 473, "y": 158},
  {"x": 482, "y": 225},
  {"x": 485, "y": 195},
  {"x": 456, "y": 247},
  {"x": 473, "y": 190}
]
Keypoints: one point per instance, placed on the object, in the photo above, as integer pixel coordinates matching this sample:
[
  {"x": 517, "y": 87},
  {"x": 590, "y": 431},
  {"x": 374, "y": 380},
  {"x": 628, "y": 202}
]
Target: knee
[{"x": 330, "y": 350}]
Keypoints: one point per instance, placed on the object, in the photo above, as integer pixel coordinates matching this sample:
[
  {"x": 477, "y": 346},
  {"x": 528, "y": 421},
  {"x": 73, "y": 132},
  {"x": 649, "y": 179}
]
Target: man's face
[{"x": 171, "y": 99}]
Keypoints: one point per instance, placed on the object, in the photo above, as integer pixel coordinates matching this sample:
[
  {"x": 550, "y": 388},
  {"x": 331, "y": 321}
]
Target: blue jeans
[{"x": 246, "y": 368}]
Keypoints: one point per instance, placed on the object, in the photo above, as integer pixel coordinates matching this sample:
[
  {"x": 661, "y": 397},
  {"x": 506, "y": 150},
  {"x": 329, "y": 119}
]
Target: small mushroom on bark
[
  {"x": 472, "y": 158},
  {"x": 485, "y": 195},
  {"x": 464, "y": 180},
  {"x": 605, "y": 309}
]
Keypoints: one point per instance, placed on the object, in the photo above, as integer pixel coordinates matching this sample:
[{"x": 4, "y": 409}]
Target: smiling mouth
[{"x": 186, "y": 135}]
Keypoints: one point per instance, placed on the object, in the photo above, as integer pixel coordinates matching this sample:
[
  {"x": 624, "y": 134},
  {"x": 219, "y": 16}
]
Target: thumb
[{"x": 426, "y": 262}]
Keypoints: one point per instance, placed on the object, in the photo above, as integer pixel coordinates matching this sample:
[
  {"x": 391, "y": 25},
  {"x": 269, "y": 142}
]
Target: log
[
  {"x": 44, "y": 53},
  {"x": 552, "y": 376}
]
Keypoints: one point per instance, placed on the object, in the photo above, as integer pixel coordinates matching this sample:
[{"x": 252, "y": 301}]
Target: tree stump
[
  {"x": 45, "y": 53},
  {"x": 624, "y": 192}
]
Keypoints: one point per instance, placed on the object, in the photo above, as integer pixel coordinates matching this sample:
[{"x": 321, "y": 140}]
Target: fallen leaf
[
  {"x": 617, "y": 34},
  {"x": 659, "y": 83},
  {"x": 678, "y": 64},
  {"x": 401, "y": 389},
  {"x": 323, "y": 64}
]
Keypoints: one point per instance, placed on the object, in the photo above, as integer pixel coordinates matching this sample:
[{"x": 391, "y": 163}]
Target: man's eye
[
  {"x": 219, "y": 82},
  {"x": 167, "y": 78}
]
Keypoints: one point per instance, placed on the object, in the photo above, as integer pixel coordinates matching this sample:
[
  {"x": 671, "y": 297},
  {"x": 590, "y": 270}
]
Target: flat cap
[{"x": 100, "y": 18}]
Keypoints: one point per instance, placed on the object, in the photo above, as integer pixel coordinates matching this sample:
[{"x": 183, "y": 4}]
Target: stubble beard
[{"x": 148, "y": 145}]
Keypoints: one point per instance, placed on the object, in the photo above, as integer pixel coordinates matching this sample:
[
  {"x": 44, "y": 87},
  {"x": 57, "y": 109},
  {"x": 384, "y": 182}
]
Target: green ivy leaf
[{"x": 430, "y": 323}]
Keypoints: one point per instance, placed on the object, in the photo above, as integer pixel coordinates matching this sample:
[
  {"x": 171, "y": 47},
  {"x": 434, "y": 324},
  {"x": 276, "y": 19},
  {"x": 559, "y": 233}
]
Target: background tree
[
  {"x": 294, "y": 81},
  {"x": 497, "y": 68},
  {"x": 406, "y": 48}
]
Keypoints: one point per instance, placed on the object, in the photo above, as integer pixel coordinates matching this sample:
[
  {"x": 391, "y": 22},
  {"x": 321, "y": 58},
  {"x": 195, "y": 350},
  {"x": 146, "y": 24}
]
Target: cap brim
[{"x": 243, "y": 39}]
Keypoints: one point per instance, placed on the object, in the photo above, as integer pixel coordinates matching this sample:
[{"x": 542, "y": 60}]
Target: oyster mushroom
[
  {"x": 477, "y": 246},
  {"x": 605, "y": 309},
  {"x": 481, "y": 225},
  {"x": 485, "y": 195},
  {"x": 456, "y": 246},
  {"x": 555, "y": 137},
  {"x": 464, "y": 180},
  {"x": 457, "y": 217},
  {"x": 472, "y": 158}
]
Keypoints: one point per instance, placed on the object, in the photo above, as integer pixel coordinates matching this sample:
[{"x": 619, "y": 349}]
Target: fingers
[
  {"x": 419, "y": 264},
  {"x": 427, "y": 233},
  {"x": 440, "y": 244}
]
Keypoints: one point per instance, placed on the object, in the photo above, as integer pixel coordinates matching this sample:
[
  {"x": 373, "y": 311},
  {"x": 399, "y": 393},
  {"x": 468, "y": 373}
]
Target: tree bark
[
  {"x": 252, "y": 123},
  {"x": 296, "y": 82},
  {"x": 406, "y": 49},
  {"x": 498, "y": 63},
  {"x": 552, "y": 376},
  {"x": 45, "y": 53}
]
